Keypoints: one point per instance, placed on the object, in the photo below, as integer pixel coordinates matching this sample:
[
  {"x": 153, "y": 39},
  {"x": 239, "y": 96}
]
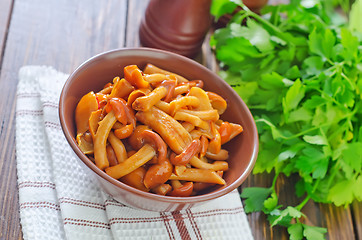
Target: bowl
[{"x": 94, "y": 73}]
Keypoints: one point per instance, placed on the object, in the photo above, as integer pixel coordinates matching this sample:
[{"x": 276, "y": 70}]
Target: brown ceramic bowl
[{"x": 101, "y": 69}]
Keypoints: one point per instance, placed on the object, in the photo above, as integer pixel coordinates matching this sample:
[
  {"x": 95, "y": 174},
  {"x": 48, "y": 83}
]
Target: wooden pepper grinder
[{"x": 178, "y": 26}]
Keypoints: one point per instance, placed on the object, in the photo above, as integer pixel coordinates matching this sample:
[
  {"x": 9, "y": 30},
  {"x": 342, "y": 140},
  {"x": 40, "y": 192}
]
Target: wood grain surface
[
  {"x": 357, "y": 219},
  {"x": 63, "y": 34},
  {"x": 5, "y": 14},
  {"x": 9, "y": 207}
]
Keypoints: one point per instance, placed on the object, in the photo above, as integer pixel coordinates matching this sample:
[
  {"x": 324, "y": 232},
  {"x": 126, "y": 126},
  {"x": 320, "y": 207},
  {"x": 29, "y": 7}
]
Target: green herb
[
  {"x": 355, "y": 16},
  {"x": 299, "y": 69}
]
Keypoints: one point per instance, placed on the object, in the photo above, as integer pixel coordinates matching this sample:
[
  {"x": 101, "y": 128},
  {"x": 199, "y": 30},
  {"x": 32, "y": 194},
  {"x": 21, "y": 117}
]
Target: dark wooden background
[{"x": 64, "y": 33}]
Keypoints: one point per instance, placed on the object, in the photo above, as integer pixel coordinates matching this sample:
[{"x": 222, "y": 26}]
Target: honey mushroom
[{"x": 156, "y": 131}]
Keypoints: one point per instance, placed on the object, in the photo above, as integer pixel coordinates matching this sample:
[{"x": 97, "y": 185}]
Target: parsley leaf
[
  {"x": 355, "y": 16},
  {"x": 221, "y": 7},
  {"x": 294, "y": 95},
  {"x": 296, "y": 231},
  {"x": 288, "y": 213},
  {"x": 343, "y": 192},
  {"x": 257, "y": 36},
  {"x": 314, "y": 233},
  {"x": 255, "y": 197}
]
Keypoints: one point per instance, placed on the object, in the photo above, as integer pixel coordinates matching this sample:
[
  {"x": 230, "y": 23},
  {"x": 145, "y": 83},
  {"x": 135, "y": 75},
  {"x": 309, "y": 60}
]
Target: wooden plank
[
  {"x": 57, "y": 33},
  {"x": 8, "y": 186},
  {"x": 9, "y": 206},
  {"x": 357, "y": 218},
  {"x": 64, "y": 34},
  {"x": 136, "y": 9},
  {"x": 206, "y": 57},
  {"x": 337, "y": 220},
  {"x": 5, "y": 13}
]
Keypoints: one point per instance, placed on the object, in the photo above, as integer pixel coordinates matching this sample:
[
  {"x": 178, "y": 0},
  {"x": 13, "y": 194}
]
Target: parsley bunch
[{"x": 299, "y": 69}]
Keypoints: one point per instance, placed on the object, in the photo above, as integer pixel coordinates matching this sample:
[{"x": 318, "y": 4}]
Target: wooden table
[{"x": 65, "y": 33}]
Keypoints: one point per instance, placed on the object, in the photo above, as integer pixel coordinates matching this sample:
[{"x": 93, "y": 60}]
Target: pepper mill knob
[{"x": 178, "y": 26}]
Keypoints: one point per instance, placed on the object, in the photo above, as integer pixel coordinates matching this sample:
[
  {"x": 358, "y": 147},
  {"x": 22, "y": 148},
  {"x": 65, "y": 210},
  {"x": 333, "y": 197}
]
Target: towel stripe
[{"x": 181, "y": 226}]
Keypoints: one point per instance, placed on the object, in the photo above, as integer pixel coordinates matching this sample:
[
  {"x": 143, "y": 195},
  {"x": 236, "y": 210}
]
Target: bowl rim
[{"x": 119, "y": 184}]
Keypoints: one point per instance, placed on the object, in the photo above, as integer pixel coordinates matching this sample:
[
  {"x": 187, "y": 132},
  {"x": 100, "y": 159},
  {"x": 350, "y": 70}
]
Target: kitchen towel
[{"x": 59, "y": 200}]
